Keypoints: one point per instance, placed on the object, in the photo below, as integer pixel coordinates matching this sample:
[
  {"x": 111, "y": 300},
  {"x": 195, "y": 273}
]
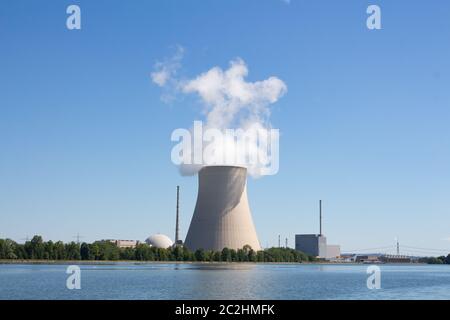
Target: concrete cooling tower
[{"x": 222, "y": 216}]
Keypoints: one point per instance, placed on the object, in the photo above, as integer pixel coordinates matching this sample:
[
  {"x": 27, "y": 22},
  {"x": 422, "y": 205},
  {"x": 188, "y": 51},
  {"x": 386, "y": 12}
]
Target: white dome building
[{"x": 159, "y": 241}]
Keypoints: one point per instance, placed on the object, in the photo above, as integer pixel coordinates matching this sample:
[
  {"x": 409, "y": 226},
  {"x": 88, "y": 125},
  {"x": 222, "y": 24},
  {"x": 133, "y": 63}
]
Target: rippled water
[{"x": 224, "y": 281}]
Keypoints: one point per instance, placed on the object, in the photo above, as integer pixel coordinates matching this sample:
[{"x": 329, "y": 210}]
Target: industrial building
[
  {"x": 124, "y": 243},
  {"x": 312, "y": 244},
  {"x": 222, "y": 216},
  {"x": 368, "y": 258},
  {"x": 159, "y": 241},
  {"x": 316, "y": 244},
  {"x": 178, "y": 241},
  {"x": 333, "y": 252},
  {"x": 393, "y": 258}
]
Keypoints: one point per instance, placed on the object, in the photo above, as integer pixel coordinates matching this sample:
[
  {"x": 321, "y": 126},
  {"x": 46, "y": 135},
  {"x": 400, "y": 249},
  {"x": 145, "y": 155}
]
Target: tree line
[
  {"x": 436, "y": 260},
  {"x": 38, "y": 249}
]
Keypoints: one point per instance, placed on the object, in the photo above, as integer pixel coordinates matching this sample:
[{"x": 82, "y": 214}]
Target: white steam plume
[
  {"x": 164, "y": 74},
  {"x": 230, "y": 102}
]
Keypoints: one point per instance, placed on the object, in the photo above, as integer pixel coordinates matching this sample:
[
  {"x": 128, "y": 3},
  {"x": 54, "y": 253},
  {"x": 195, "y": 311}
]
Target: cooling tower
[{"x": 222, "y": 216}]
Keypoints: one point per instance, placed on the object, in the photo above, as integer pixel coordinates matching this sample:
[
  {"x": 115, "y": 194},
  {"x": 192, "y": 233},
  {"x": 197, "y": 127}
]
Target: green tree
[
  {"x": 127, "y": 254},
  {"x": 72, "y": 251},
  {"x": 252, "y": 256},
  {"x": 178, "y": 253},
  {"x": 94, "y": 251},
  {"x": 226, "y": 254},
  {"x": 19, "y": 251},
  {"x": 36, "y": 247},
  {"x": 200, "y": 255},
  {"x": 49, "y": 250},
  {"x": 217, "y": 256},
  {"x": 233, "y": 255},
  {"x": 260, "y": 256},
  {"x": 59, "y": 250},
  {"x": 143, "y": 252},
  {"x": 107, "y": 250},
  {"x": 85, "y": 252},
  {"x": 241, "y": 256},
  {"x": 188, "y": 255},
  {"x": 433, "y": 260},
  {"x": 163, "y": 254},
  {"x": 7, "y": 249},
  {"x": 209, "y": 255}
]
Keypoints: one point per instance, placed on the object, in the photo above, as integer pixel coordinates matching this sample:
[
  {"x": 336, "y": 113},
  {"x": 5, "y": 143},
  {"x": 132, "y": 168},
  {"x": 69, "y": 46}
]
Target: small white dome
[{"x": 159, "y": 241}]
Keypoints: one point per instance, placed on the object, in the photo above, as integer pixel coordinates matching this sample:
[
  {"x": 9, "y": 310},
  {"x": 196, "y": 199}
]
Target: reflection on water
[{"x": 224, "y": 281}]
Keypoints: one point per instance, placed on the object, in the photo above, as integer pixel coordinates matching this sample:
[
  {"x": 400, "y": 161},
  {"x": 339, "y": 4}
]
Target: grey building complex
[
  {"x": 316, "y": 244},
  {"x": 312, "y": 244}
]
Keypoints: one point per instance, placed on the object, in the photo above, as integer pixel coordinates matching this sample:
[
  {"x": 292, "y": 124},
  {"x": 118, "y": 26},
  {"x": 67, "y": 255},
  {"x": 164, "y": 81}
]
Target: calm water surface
[{"x": 224, "y": 281}]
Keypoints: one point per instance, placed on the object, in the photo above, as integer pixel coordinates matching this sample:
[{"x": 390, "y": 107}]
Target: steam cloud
[{"x": 229, "y": 100}]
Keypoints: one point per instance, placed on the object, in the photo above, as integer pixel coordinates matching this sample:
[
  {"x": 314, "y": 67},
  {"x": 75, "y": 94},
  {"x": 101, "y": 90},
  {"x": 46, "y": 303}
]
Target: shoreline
[
  {"x": 115, "y": 262},
  {"x": 109, "y": 262}
]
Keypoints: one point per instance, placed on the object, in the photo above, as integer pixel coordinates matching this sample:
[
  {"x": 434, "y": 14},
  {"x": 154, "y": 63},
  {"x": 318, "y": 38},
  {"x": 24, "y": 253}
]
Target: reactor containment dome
[
  {"x": 222, "y": 216},
  {"x": 159, "y": 241}
]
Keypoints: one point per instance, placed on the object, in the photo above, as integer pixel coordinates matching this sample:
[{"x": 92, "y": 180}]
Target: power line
[
  {"x": 396, "y": 249},
  {"x": 427, "y": 249},
  {"x": 379, "y": 248}
]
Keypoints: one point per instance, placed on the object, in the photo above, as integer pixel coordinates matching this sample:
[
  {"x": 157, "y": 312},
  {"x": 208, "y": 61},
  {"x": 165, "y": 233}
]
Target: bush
[{"x": 37, "y": 248}]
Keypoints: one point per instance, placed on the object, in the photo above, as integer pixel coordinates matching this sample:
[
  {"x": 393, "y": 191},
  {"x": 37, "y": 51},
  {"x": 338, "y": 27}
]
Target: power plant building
[
  {"x": 312, "y": 244},
  {"x": 222, "y": 216},
  {"x": 316, "y": 244},
  {"x": 159, "y": 241},
  {"x": 333, "y": 251},
  {"x": 124, "y": 243}
]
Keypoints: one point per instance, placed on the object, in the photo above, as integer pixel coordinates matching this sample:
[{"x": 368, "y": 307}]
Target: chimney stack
[
  {"x": 177, "y": 223},
  {"x": 320, "y": 218}
]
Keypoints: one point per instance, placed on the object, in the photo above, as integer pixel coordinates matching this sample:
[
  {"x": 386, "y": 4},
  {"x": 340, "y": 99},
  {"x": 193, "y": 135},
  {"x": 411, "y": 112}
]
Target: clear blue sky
[{"x": 85, "y": 138}]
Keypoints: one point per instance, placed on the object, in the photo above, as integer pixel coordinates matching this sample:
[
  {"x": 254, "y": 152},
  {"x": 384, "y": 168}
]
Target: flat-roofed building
[
  {"x": 124, "y": 243},
  {"x": 390, "y": 258},
  {"x": 312, "y": 244},
  {"x": 368, "y": 258},
  {"x": 333, "y": 251}
]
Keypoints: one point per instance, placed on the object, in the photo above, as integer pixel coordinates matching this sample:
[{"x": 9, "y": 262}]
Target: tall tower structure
[
  {"x": 222, "y": 216},
  {"x": 320, "y": 217},
  {"x": 177, "y": 222}
]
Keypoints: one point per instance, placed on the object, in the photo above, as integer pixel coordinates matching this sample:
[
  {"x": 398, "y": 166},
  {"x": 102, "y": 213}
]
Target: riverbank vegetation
[
  {"x": 436, "y": 260},
  {"x": 38, "y": 249}
]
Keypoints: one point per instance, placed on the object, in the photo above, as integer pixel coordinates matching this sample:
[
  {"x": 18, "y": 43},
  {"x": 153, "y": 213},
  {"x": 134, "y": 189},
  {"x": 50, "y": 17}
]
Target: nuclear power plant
[
  {"x": 222, "y": 216},
  {"x": 316, "y": 244}
]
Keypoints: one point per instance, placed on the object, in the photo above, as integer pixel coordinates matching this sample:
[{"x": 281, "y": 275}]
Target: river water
[{"x": 224, "y": 281}]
